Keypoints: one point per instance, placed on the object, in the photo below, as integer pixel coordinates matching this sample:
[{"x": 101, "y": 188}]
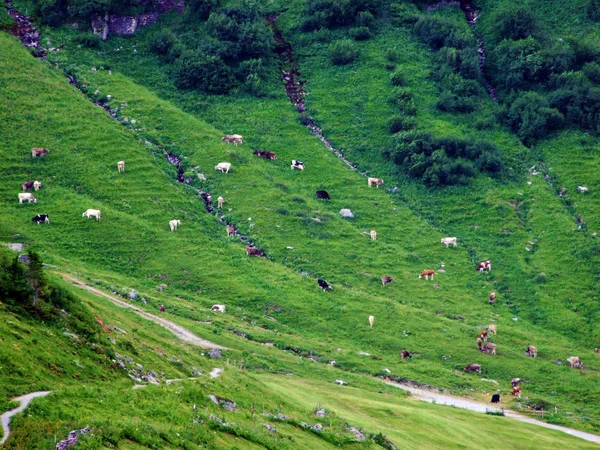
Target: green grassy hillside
[{"x": 543, "y": 298}]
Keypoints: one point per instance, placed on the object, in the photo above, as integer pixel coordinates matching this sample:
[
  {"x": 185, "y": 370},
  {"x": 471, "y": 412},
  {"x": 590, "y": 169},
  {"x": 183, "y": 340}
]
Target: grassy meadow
[{"x": 517, "y": 221}]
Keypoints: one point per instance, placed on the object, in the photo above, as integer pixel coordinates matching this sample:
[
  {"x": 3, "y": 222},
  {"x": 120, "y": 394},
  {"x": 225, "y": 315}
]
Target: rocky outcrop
[{"x": 127, "y": 25}]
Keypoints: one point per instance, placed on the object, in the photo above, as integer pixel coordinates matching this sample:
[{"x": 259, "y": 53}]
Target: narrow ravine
[
  {"x": 24, "y": 400},
  {"x": 294, "y": 88},
  {"x": 471, "y": 17},
  {"x": 25, "y": 31}
]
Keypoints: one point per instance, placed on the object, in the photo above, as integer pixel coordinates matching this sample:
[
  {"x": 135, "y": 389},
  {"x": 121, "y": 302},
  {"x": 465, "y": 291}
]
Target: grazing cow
[
  {"x": 27, "y": 186},
  {"x": 371, "y": 321},
  {"x": 324, "y": 285},
  {"x": 473, "y": 368},
  {"x": 235, "y": 138},
  {"x": 264, "y": 154},
  {"x": 485, "y": 265},
  {"x": 582, "y": 189},
  {"x": 404, "y": 354},
  {"x": 516, "y": 391},
  {"x": 531, "y": 351},
  {"x": 492, "y": 329},
  {"x": 297, "y": 165},
  {"x": 218, "y": 308},
  {"x": 231, "y": 230},
  {"x": 427, "y": 273},
  {"x": 496, "y": 398},
  {"x": 575, "y": 362},
  {"x": 35, "y": 152},
  {"x": 224, "y": 167},
  {"x": 597, "y": 350},
  {"x": 449, "y": 241},
  {"x": 386, "y": 280},
  {"x": 121, "y": 166},
  {"x": 515, "y": 382},
  {"x": 487, "y": 348},
  {"x": 41, "y": 218},
  {"x": 374, "y": 181},
  {"x": 324, "y": 195},
  {"x": 253, "y": 251},
  {"x": 27, "y": 196},
  {"x": 373, "y": 235},
  {"x": 220, "y": 202},
  {"x": 484, "y": 335},
  {"x": 492, "y": 298},
  {"x": 37, "y": 185},
  {"x": 162, "y": 308},
  {"x": 92, "y": 213},
  {"x": 173, "y": 224}
]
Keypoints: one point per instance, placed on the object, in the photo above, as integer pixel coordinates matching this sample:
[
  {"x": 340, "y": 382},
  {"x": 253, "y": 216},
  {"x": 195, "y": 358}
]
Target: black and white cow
[
  {"x": 324, "y": 285},
  {"x": 41, "y": 218},
  {"x": 297, "y": 165}
]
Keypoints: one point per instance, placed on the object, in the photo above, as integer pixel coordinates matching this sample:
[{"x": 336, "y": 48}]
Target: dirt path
[
  {"x": 24, "y": 400},
  {"x": 472, "y": 405},
  {"x": 179, "y": 331}
]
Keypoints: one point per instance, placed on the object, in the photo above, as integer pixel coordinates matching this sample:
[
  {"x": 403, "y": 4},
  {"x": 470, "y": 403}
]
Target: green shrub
[
  {"x": 336, "y": 13},
  {"x": 531, "y": 117},
  {"x": 401, "y": 123},
  {"x": 162, "y": 41},
  {"x": 514, "y": 21},
  {"x": 403, "y": 98},
  {"x": 450, "y": 102},
  {"x": 593, "y": 10},
  {"x": 365, "y": 19},
  {"x": 404, "y": 13},
  {"x": 89, "y": 40},
  {"x": 342, "y": 52},
  {"x": 592, "y": 72},
  {"x": 207, "y": 73},
  {"x": 392, "y": 55},
  {"x": 201, "y": 9},
  {"x": 6, "y": 21},
  {"x": 397, "y": 79},
  {"x": 360, "y": 33}
]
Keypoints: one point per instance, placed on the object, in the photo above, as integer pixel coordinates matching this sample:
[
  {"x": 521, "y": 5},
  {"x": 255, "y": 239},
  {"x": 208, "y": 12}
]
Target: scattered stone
[
  {"x": 72, "y": 439},
  {"x": 346, "y": 213},
  {"x": 357, "y": 434},
  {"x": 133, "y": 294},
  {"x": 216, "y": 372},
  {"x": 271, "y": 428},
  {"x": 215, "y": 353},
  {"x": 16, "y": 247},
  {"x": 321, "y": 412},
  {"x": 317, "y": 427}
]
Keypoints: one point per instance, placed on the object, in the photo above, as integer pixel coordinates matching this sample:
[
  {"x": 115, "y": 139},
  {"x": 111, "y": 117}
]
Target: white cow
[
  {"x": 37, "y": 185},
  {"x": 449, "y": 241},
  {"x": 121, "y": 166},
  {"x": 219, "y": 308},
  {"x": 374, "y": 181},
  {"x": 373, "y": 235},
  {"x": 93, "y": 213},
  {"x": 371, "y": 321},
  {"x": 582, "y": 189},
  {"x": 220, "y": 202},
  {"x": 297, "y": 165},
  {"x": 173, "y": 224},
  {"x": 223, "y": 167},
  {"x": 26, "y": 196}
]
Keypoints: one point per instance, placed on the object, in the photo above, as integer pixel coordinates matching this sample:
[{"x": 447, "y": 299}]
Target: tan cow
[
  {"x": 531, "y": 351},
  {"x": 473, "y": 368},
  {"x": 374, "y": 181},
  {"x": 371, "y": 321},
  {"x": 220, "y": 202},
  {"x": 173, "y": 224},
  {"x": 231, "y": 230},
  {"x": 427, "y": 273},
  {"x": 386, "y": 280},
  {"x": 575, "y": 362},
  {"x": 121, "y": 166},
  {"x": 492, "y": 329},
  {"x": 373, "y": 235},
  {"x": 235, "y": 138},
  {"x": 35, "y": 152}
]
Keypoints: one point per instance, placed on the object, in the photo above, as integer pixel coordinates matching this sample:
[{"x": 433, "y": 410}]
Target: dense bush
[
  {"x": 5, "y": 20},
  {"x": 398, "y": 79},
  {"x": 89, "y": 40},
  {"x": 401, "y": 123},
  {"x": 514, "y": 21},
  {"x": 201, "y": 9},
  {"x": 162, "y": 41},
  {"x": 403, "y": 99},
  {"x": 25, "y": 290},
  {"x": 342, "y": 52},
  {"x": 592, "y": 72},
  {"x": 365, "y": 19},
  {"x": 195, "y": 70},
  {"x": 518, "y": 63},
  {"x": 531, "y": 117},
  {"x": 360, "y": 33},
  {"x": 336, "y": 13},
  {"x": 593, "y": 10},
  {"x": 445, "y": 161}
]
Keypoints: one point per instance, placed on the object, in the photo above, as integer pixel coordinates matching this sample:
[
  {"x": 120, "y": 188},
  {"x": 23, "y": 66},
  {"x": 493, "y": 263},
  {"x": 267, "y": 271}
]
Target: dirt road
[{"x": 24, "y": 400}]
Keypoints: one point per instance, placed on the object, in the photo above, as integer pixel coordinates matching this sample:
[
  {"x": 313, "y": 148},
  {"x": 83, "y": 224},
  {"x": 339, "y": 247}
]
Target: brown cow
[
  {"x": 427, "y": 273},
  {"x": 35, "y": 152},
  {"x": 265, "y": 154},
  {"x": 235, "y": 138},
  {"x": 473, "y": 368},
  {"x": 404, "y": 354},
  {"x": 386, "y": 280},
  {"x": 231, "y": 230},
  {"x": 575, "y": 362},
  {"x": 597, "y": 350},
  {"x": 374, "y": 181},
  {"x": 484, "y": 335},
  {"x": 492, "y": 298},
  {"x": 516, "y": 391},
  {"x": 531, "y": 351},
  {"x": 485, "y": 265},
  {"x": 253, "y": 251},
  {"x": 487, "y": 348}
]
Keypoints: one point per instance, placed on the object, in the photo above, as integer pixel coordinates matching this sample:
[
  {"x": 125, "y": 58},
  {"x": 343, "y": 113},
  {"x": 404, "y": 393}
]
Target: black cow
[
  {"x": 41, "y": 218},
  {"x": 324, "y": 285},
  {"x": 496, "y": 398},
  {"x": 323, "y": 194}
]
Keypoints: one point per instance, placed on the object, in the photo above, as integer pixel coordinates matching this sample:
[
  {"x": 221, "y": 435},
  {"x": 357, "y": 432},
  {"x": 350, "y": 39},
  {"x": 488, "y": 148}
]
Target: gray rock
[
  {"x": 215, "y": 353},
  {"x": 321, "y": 413},
  {"x": 317, "y": 427},
  {"x": 133, "y": 294},
  {"x": 346, "y": 213},
  {"x": 357, "y": 434}
]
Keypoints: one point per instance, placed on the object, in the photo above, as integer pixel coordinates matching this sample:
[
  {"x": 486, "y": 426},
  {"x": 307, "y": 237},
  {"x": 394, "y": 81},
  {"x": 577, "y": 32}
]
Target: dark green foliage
[
  {"x": 450, "y": 102},
  {"x": 365, "y": 19},
  {"x": 342, "y": 52},
  {"x": 336, "y": 13},
  {"x": 443, "y": 161},
  {"x": 89, "y": 40},
  {"x": 514, "y": 21},
  {"x": 25, "y": 290},
  {"x": 437, "y": 33},
  {"x": 517, "y": 63},
  {"x": 161, "y": 42},
  {"x": 592, "y": 71},
  {"x": 392, "y": 55},
  {"x": 403, "y": 99},
  {"x": 580, "y": 105},
  {"x": 251, "y": 73},
  {"x": 360, "y": 33},
  {"x": 398, "y": 79},
  {"x": 201, "y": 9},
  {"x": 401, "y": 123},
  {"x": 195, "y": 70},
  {"x": 531, "y": 117},
  {"x": 5, "y": 20},
  {"x": 593, "y": 10}
]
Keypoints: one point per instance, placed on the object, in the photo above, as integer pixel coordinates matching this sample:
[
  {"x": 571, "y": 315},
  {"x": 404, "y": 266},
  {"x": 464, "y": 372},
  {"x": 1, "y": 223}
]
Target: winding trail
[
  {"x": 24, "y": 400},
  {"x": 180, "y": 332},
  {"x": 434, "y": 396}
]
